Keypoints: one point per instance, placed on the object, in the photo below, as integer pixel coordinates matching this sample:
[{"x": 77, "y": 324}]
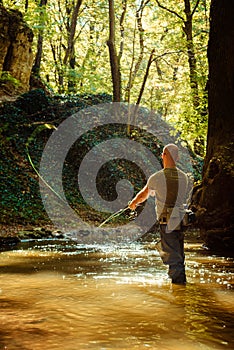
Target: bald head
[{"x": 171, "y": 153}]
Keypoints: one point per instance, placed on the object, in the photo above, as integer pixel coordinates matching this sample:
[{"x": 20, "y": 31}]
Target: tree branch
[
  {"x": 121, "y": 23},
  {"x": 171, "y": 11},
  {"x": 195, "y": 7}
]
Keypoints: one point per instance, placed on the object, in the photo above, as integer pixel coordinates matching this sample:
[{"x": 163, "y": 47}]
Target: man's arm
[{"x": 139, "y": 198}]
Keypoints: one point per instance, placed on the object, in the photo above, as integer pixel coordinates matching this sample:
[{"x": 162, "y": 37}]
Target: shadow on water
[{"x": 60, "y": 295}]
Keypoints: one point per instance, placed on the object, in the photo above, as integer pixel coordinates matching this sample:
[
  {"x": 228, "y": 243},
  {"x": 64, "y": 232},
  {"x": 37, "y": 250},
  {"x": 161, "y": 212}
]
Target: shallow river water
[{"x": 57, "y": 295}]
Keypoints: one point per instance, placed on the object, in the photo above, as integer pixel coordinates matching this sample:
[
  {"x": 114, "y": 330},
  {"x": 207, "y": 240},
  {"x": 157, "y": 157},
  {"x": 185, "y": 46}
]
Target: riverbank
[{"x": 11, "y": 235}]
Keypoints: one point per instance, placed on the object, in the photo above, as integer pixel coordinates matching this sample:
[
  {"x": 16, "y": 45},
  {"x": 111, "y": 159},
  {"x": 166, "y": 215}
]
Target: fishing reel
[{"x": 132, "y": 214}]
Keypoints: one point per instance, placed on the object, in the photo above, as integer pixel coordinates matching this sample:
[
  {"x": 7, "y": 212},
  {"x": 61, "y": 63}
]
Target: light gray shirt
[{"x": 170, "y": 187}]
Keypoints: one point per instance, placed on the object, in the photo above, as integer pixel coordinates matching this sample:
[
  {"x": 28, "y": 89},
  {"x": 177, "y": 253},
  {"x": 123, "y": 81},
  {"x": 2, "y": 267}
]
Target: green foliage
[
  {"x": 167, "y": 88},
  {"x": 33, "y": 101},
  {"x": 19, "y": 132},
  {"x": 20, "y": 200},
  {"x": 7, "y": 79}
]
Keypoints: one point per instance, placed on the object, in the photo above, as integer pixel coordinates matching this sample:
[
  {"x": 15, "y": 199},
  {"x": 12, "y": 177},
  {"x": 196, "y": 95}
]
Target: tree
[
  {"x": 69, "y": 58},
  {"x": 188, "y": 30},
  {"x": 134, "y": 68},
  {"x": 198, "y": 98},
  {"x": 214, "y": 198},
  {"x": 76, "y": 59},
  {"x": 16, "y": 57},
  {"x": 63, "y": 36},
  {"x": 114, "y": 59},
  {"x": 37, "y": 62}
]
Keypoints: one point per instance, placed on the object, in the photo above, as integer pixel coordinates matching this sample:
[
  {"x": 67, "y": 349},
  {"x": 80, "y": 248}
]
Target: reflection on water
[{"x": 57, "y": 295}]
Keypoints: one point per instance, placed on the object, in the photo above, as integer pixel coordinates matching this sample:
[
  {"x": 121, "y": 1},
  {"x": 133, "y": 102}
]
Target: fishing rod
[
  {"x": 120, "y": 212},
  {"x": 114, "y": 215},
  {"x": 30, "y": 139}
]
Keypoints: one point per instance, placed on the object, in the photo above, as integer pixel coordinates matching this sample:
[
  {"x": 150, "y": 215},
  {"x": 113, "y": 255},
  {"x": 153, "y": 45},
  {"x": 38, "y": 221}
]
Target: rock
[
  {"x": 219, "y": 240},
  {"x": 36, "y": 233},
  {"x": 212, "y": 201},
  {"x": 8, "y": 242},
  {"x": 16, "y": 56}
]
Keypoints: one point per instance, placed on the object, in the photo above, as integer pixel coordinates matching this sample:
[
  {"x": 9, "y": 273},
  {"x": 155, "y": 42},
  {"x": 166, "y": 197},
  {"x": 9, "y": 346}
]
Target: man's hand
[
  {"x": 139, "y": 198},
  {"x": 132, "y": 205}
]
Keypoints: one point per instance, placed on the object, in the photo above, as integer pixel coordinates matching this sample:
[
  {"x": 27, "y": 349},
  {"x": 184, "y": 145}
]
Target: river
[{"x": 60, "y": 295}]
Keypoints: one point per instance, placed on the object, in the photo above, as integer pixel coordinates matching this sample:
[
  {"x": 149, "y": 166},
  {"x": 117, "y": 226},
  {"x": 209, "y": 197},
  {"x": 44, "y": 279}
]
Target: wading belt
[{"x": 171, "y": 216}]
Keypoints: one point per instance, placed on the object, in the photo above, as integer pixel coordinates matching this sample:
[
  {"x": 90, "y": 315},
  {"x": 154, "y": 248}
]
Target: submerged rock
[
  {"x": 39, "y": 233},
  {"x": 7, "y": 243}
]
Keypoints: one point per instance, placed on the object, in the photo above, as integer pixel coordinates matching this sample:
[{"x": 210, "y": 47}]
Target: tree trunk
[
  {"x": 188, "y": 30},
  {"x": 151, "y": 59},
  {"x": 16, "y": 56},
  {"x": 69, "y": 57},
  {"x": 37, "y": 61},
  {"x": 213, "y": 199},
  {"x": 134, "y": 71},
  {"x": 114, "y": 61}
]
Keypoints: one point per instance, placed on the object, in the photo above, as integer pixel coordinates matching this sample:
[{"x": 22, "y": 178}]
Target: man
[{"x": 170, "y": 188}]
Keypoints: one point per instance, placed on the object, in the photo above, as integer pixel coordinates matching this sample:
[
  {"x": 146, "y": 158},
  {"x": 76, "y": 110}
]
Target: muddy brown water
[{"x": 60, "y": 295}]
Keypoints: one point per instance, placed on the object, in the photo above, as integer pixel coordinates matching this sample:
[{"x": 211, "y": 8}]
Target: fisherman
[{"x": 170, "y": 188}]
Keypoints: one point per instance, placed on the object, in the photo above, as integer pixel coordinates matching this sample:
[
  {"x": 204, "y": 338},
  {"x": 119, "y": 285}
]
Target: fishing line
[{"x": 31, "y": 137}]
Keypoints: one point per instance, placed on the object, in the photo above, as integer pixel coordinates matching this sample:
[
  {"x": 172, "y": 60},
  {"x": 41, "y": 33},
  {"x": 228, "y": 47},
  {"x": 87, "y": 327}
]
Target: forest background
[{"x": 147, "y": 52}]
